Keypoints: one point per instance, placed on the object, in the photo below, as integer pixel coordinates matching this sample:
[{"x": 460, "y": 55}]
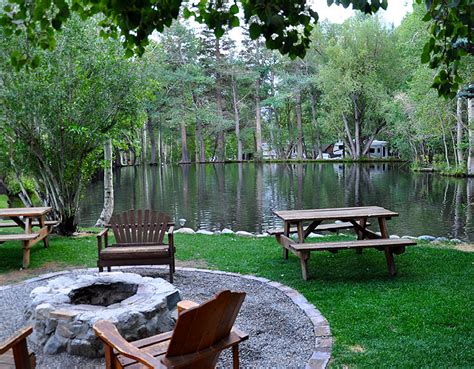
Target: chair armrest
[
  {"x": 102, "y": 235},
  {"x": 171, "y": 237},
  {"x": 109, "y": 334},
  {"x": 184, "y": 305},
  {"x": 243, "y": 336},
  {"x": 15, "y": 340}
]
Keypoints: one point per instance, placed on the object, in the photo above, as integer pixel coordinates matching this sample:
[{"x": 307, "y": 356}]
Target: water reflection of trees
[{"x": 242, "y": 196}]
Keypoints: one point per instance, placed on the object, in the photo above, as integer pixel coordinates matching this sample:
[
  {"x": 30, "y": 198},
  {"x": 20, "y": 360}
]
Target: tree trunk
[
  {"x": 319, "y": 150},
  {"x": 459, "y": 131},
  {"x": 470, "y": 159},
  {"x": 258, "y": 123},
  {"x": 357, "y": 127},
  {"x": 350, "y": 142},
  {"x": 236, "y": 119},
  {"x": 152, "y": 140},
  {"x": 200, "y": 147},
  {"x": 445, "y": 145},
  {"x": 108, "y": 209},
  {"x": 220, "y": 135},
  {"x": 299, "y": 124},
  {"x": 184, "y": 144},
  {"x": 143, "y": 143}
]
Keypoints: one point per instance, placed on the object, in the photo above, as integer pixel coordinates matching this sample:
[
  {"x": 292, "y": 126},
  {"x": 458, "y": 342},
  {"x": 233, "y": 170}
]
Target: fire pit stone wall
[{"x": 63, "y": 312}]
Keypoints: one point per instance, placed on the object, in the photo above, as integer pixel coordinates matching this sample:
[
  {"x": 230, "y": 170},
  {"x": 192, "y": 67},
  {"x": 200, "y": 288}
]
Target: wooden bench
[
  {"x": 49, "y": 223},
  {"x": 389, "y": 246},
  {"x": 18, "y": 237},
  {"x": 331, "y": 227}
]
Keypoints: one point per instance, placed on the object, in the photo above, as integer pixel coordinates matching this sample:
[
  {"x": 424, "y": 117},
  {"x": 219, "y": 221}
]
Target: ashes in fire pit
[
  {"x": 64, "y": 311},
  {"x": 103, "y": 294}
]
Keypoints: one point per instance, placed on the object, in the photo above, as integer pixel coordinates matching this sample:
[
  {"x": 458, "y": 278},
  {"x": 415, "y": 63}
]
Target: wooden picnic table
[
  {"x": 308, "y": 220},
  {"x": 27, "y": 218}
]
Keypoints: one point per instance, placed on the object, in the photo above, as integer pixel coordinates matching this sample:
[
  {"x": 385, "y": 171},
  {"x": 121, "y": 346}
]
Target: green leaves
[
  {"x": 255, "y": 31},
  {"x": 451, "y": 39},
  {"x": 274, "y": 20}
]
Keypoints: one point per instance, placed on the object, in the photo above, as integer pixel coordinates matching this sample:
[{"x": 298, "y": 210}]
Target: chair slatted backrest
[
  {"x": 140, "y": 226},
  {"x": 201, "y": 327}
]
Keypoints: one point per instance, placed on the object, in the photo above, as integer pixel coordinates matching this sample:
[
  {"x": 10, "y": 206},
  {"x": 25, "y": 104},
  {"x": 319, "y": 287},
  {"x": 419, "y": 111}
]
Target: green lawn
[{"x": 421, "y": 318}]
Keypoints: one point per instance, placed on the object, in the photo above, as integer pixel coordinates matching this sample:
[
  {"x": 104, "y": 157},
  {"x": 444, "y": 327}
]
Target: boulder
[
  {"x": 426, "y": 238},
  {"x": 227, "y": 231},
  {"x": 203, "y": 231},
  {"x": 244, "y": 234},
  {"x": 185, "y": 231},
  {"x": 315, "y": 235}
]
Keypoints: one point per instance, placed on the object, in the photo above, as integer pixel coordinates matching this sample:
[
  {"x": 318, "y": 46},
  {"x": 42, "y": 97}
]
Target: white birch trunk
[
  {"x": 258, "y": 123},
  {"x": 108, "y": 209},
  {"x": 470, "y": 159},
  {"x": 459, "y": 131}
]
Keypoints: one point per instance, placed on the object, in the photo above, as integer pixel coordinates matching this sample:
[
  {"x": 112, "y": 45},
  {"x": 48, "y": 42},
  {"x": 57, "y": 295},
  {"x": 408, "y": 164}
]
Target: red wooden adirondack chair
[
  {"x": 140, "y": 240},
  {"x": 200, "y": 335},
  {"x": 14, "y": 352}
]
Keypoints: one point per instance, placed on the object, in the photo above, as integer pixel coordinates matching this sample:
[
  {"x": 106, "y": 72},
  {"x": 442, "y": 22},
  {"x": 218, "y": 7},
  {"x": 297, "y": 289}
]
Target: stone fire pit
[{"x": 63, "y": 312}]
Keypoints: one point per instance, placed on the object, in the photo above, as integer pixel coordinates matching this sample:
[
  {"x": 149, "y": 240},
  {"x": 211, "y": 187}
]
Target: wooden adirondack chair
[
  {"x": 200, "y": 335},
  {"x": 14, "y": 352},
  {"x": 139, "y": 236}
]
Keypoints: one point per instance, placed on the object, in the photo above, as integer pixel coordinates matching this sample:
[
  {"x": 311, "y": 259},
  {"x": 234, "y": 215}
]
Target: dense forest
[{"x": 193, "y": 97}]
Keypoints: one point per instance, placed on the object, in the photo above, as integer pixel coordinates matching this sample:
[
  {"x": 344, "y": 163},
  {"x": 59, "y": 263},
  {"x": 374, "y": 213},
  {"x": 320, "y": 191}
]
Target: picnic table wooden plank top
[
  {"x": 24, "y": 212},
  {"x": 334, "y": 213}
]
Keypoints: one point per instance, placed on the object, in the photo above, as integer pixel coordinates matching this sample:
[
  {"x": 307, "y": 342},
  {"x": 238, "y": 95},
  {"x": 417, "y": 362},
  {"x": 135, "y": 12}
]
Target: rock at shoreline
[
  {"x": 394, "y": 237},
  {"x": 227, "y": 231},
  {"x": 409, "y": 238},
  {"x": 203, "y": 231},
  {"x": 244, "y": 234},
  {"x": 427, "y": 238},
  {"x": 442, "y": 239},
  {"x": 185, "y": 231},
  {"x": 315, "y": 235}
]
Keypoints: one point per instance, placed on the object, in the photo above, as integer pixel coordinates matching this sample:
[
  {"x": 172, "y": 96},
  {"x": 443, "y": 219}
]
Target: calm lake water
[{"x": 242, "y": 196}]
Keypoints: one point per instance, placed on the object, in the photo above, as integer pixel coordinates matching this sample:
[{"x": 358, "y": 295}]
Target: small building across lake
[{"x": 378, "y": 149}]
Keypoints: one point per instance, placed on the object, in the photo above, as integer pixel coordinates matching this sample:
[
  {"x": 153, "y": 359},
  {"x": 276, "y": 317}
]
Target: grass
[
  {"x": 421, "y": 318},
  {"x": 3, "y": 201}
]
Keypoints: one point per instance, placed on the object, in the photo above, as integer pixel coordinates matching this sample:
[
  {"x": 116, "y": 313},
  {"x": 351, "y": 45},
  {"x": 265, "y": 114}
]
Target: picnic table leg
[
  {"x": 304, "y": 257},
  {"x": 26, "y": 254},
  {"x": 360, "y": 235},
  {"x": 287, "y": 234},
  {"x": 43, "y": 224},
  {"x": 387, "y": 250},
  {"x": 300, "y": 230}
]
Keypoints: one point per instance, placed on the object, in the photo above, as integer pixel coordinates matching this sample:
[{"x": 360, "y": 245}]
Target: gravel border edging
[{"x": 323, "y": 343}]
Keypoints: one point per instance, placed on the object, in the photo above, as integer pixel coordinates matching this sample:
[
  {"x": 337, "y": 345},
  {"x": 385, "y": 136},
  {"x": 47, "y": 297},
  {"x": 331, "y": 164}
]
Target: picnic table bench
[
  {"x": 355, "y": 216},
  {"x": 27, "y": 218},
  {"x": 332, "y": 227}
]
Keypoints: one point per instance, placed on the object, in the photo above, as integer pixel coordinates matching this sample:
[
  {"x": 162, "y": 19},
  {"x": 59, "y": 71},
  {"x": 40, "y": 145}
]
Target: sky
[{"x": 394, "y": 14}]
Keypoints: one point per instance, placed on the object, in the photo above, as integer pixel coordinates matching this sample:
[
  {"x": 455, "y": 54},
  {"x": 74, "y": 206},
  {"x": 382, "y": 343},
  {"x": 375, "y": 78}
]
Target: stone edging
[{"x": 323, "y": 343}]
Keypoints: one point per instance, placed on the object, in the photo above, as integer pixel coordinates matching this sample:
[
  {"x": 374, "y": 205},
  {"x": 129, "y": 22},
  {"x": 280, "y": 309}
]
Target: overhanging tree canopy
[{"x": 285, "y": 25}]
